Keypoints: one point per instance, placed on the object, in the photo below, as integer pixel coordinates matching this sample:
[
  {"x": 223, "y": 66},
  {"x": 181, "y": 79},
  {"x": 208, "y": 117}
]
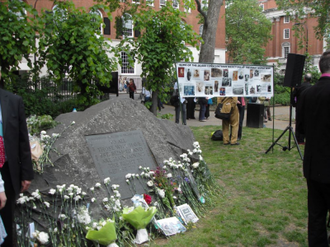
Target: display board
[{"x": 223, "y": 80}]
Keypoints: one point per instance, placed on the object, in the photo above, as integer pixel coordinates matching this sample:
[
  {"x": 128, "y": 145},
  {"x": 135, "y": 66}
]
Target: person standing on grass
[
  {"x": 232, "y": 122},
  {"x": 313, "y": 120},
  {"x": 15, "y": 158}
]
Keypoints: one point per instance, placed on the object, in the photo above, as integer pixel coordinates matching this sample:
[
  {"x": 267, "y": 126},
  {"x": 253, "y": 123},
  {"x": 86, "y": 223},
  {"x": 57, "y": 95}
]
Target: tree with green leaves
[
  {"x": 248, "y": 32},
  {"x": 162, "y": 42},
  {"x": 17, "y": 36},
  {"x": 72, "y": 46},
  {"x": 300, "y": 9}
]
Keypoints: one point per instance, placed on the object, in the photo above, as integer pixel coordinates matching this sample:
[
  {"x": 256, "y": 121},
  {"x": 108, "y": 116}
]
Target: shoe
[
  {"x": 226, "y": 144},
  {"x": 237, "y": 143},
  {"x": 269, "y": 119}
]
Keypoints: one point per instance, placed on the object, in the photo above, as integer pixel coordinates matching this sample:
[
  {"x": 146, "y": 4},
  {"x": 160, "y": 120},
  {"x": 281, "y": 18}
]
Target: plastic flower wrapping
[
  {"x": 104, "y": 234},
  {"x": 139, "y": 218}
]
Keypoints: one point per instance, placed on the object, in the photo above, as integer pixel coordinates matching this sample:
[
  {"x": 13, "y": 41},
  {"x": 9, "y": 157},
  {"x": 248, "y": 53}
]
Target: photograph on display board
[
  {"x": 247, "y": 77},
  {"x": 252, "y": 90},
  {"x": 256, "y": 73},
  {"x": 226, "y": 82},
  {"x": 189, "y": 90},
  {"x": 208, "y": 90},
  {"x": 216, "y": 73},
  {"x": 216, "y": 86},
  {"x": 241, "y": 75},
  {"x": 222, "y": 91},
  {"x": 266, "y": 78},
  {"x": 206, "y": 75},
  {"x": 196, "y": 74},
  {"x": 225, "y": 73},
  {"x": 251, "y": 73},
  {"x": 180, "y": 72},
  {"x": 200, "y": 88},
  {"x": 246, "y": 89},
  {"x": 238, "y": 90},
  {"x": 235, "y": 75},
  {"x": 188, "y": 74}
]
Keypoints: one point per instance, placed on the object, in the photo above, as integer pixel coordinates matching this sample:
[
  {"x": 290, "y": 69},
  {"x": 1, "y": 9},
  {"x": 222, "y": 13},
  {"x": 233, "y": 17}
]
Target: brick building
[
  {"x": 283, "y": 41},
  {"x": 110, "y": 32}
]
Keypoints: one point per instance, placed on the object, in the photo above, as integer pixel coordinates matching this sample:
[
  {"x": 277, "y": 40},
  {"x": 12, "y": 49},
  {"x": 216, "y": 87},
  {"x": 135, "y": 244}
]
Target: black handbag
[{"x": 219, "y": 114}]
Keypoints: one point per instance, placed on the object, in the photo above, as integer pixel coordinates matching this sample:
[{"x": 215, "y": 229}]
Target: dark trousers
[
  {"x": 131, "y": 95},
  {"x": 207, "y": 111},
  {"x": 7, "y": 213},
  {"x": 241, "y": 111},
  {"x": 183, "y": 115},
  {"x": 318, "y": 207}
]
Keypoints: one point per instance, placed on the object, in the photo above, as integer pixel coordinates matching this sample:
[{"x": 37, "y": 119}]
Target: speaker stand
[{"x": 291, "y": 132}]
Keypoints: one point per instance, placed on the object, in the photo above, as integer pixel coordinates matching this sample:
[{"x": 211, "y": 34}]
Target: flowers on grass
[{"x": 67, "y": 211}]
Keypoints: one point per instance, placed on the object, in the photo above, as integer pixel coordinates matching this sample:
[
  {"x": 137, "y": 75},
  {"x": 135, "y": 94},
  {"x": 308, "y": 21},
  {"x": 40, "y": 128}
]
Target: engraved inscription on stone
[{"x": 118, "y": 154}]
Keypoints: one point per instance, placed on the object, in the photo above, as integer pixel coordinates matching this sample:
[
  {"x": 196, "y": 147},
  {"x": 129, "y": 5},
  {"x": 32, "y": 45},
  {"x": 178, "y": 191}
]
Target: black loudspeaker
[
  {"x": 255, "y": 115},
  {"x": 294, "y": 70}
]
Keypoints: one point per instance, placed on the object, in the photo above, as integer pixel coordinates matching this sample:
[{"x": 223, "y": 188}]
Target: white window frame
[
  {"x": 100, "y": 14},
  {"x": 136, "y": 1},
  {"x": 125, "y": 69},
  {"x": 286, "y": 33},
  {"x": 162, "y": 3},
  {"x": 177, "y": 4},
  {"x": 262, "y": 7},
  {"x": 126, "y": 24},
  {"x": 187, "y": 9},
  {"x": 286, "y": 47},
  {"x": 286, "y": 19}
]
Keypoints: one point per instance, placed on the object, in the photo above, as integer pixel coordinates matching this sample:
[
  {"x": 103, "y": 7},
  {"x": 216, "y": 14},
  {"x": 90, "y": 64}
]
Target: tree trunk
[
  {"x": 209, "y": 30},
  {"x": 154, "y": 102}
]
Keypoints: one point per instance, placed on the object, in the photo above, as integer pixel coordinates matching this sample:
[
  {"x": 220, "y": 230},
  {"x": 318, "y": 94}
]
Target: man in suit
[
  {"x": 17, "y": 171},
  {"x": 314, "y": 121},
  {"x": 296, "y": 95}
]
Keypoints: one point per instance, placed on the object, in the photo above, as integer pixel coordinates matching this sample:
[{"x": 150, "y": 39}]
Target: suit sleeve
[
  {"x": 300, "y": 115},
  {"x": 24, "y": 146}
]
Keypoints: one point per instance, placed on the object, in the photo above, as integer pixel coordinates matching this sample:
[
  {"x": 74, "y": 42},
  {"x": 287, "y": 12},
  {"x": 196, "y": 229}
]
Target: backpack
[{"x": 217, "y": 135}]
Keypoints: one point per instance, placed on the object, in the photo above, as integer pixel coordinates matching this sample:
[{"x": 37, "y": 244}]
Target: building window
[
  {"x": 127, "y": 25},
  {"x": 187, "y": 9},
  {"x": 150, "y": 2},
  {"x": 286, "y": 33},
  {"x": 162, "y": 3},
  {"x": 125, "y": 67},
  {"x": 97, "y": 12},
  {"x": 286, "y": 51},
  {"x": 262, "y": 7},
  {"x": 136, "y": 1},
  {"x": 201, "y": 30},
  {"x": 286, "y": 19},
  {"x": 175, "y": 4}
]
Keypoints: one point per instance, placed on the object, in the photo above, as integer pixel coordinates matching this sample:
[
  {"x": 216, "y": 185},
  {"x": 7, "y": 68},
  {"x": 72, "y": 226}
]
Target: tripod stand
[{"x": 291, "y": 132}]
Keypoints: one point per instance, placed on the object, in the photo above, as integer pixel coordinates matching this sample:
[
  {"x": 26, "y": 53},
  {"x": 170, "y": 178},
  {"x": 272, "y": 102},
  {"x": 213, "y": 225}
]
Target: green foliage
[
  {"x": 161, "y": 44},
  {"x": 248, "y": 31},
  {"x": 166, "y": 116},
  {"x": 72, "y": 46},
  {"x": 36, "y": 124},
  {"x": 17, "y": 36}
]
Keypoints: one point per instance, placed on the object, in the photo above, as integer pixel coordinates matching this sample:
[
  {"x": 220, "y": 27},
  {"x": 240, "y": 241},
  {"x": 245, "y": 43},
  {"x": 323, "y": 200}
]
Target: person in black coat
[
  {"x": 296, "y": 95},
  {"x": 17, "y": 171},
  {"x": 314, "y": 122}
]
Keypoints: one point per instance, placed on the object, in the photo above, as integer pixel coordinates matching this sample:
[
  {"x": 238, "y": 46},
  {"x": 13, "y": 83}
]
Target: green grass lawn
[{"x": 261, "y": 200}]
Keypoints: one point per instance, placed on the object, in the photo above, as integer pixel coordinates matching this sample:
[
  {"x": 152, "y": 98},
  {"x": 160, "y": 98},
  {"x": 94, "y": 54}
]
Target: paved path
[{"x": 281, "y": 113}]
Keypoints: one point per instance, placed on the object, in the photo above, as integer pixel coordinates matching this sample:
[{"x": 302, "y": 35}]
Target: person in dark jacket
[{"x": 313, "y": 120}]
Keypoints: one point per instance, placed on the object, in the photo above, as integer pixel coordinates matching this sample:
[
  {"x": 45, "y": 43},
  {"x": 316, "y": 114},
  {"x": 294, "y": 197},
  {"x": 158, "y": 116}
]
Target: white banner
[{"x": 222, "y": 80}]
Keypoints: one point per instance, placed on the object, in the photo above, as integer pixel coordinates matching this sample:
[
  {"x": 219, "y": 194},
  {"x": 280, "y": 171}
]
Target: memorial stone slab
[{"x": 117, "y": 154}]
